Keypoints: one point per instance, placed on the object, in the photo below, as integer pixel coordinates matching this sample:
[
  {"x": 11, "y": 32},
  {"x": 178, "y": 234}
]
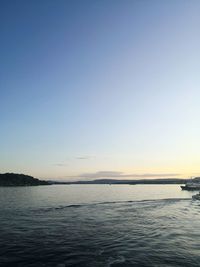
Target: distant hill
[
  {"x": 13, "y": 179},
  {"x": 132, "y": 182}
]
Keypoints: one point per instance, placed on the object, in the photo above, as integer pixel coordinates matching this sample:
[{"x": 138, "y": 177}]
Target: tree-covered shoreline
[{"x": 14, "y": 179}]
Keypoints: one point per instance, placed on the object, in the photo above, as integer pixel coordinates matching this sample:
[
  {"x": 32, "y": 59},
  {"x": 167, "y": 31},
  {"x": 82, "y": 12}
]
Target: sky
[{"x": 100, "y": 89}]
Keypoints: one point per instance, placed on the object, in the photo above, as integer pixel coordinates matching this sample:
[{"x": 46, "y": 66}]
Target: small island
[{"x": 14, "y": 179}]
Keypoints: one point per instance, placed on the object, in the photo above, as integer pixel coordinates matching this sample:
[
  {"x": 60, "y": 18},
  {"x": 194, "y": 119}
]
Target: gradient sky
[{"x": 100, "y": 88}]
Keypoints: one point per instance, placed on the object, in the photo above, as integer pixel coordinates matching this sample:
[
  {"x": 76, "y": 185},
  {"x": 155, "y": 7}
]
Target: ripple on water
[
  {"x": 115, "y": 260},
  {"x": 118, "y": 233}
]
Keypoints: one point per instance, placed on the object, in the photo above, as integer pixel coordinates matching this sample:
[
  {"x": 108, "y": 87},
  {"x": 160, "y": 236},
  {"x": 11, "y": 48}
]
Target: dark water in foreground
[{"x": 88, "y": 226}]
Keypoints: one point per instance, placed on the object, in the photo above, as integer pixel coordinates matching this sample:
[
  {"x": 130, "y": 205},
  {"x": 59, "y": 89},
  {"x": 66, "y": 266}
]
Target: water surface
[{"x": 99, "y": 225}]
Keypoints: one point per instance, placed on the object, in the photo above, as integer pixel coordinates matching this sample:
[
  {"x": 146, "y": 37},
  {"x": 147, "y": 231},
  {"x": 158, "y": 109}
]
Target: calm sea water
[{"x": 99, "y": 225}]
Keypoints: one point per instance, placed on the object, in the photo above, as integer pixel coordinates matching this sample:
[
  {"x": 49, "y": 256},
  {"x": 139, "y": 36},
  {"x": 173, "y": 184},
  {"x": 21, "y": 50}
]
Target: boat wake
[{"x": 145, "y": 201}]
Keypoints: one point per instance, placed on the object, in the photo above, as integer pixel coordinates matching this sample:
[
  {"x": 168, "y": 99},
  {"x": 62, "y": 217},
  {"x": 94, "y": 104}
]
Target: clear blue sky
[{"x": 100, "y": 88}]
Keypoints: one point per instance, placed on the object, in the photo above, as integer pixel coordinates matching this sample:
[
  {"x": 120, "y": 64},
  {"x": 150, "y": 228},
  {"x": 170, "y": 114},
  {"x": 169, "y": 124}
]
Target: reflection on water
[{"x": 99, "y": 225}]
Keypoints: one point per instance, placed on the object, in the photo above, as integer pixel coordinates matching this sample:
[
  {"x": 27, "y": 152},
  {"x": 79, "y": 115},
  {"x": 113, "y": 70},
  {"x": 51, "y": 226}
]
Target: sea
[{"x": 99, "y": 226}]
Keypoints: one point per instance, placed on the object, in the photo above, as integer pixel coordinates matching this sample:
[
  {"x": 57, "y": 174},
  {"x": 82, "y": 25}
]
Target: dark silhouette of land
[
  {"x": 13, "y": 179},
  {"x": 130, "y": 182}
]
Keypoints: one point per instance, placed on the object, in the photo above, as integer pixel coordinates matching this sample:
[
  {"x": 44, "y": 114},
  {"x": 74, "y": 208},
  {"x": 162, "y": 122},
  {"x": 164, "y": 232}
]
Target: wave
[
  {"x": 161, "y": 201},
  {"x": 112, "y": 260}
]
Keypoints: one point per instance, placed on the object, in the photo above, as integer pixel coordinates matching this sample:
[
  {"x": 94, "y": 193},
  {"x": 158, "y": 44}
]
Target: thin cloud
[
  {"x": 114, "y": 174},
  {"x": 83, "y": 157},
  {"x": 60, "y": 164}
]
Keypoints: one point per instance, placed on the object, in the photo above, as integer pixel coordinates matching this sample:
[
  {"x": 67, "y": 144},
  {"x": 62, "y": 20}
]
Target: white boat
[{"x": 192, "y": 184}]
